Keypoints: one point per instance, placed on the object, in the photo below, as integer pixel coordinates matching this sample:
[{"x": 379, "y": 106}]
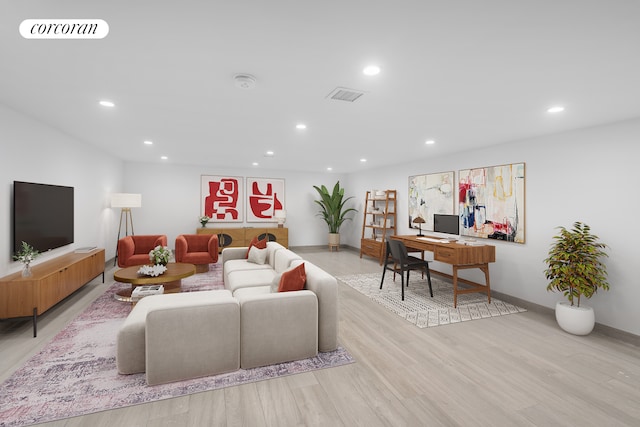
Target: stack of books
[{"x": 145, "y": 291}]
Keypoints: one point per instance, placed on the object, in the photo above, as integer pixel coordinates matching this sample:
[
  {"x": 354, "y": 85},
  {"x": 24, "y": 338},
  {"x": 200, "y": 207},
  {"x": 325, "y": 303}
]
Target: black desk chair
[{"x": 398, "y": 260}]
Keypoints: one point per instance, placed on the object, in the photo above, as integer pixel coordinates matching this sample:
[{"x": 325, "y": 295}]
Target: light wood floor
[{"x": 516, "y": 370}]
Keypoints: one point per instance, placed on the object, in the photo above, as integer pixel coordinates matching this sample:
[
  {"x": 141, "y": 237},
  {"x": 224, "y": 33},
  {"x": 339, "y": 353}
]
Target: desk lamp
[{"x": 419, "y": 220}]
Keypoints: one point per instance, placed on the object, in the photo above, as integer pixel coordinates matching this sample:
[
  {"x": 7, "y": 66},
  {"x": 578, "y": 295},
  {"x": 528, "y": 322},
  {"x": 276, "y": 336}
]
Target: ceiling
[{"x": 464, "y": 73}]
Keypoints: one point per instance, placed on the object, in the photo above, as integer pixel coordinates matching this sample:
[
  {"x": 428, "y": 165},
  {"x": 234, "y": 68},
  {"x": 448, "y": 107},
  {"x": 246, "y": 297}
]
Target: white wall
[
  {"x": 171, "y": 200},
  {"x": 586, "y": 175},
  {"x": 34, "y": 152}
]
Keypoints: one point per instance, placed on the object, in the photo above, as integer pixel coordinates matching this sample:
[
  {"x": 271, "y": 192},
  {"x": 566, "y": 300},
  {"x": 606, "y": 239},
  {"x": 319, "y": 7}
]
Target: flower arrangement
[
  {"x": 27, "y": 254},
  {"x": 160, "y": 255},
  {"x": 152, "y": 270},
  {"x": 204, "y": 220}
]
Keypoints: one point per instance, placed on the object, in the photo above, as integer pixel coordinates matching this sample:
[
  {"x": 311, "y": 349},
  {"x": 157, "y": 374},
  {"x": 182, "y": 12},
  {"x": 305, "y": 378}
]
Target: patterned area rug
[
  {"x": 75, "y": 374},
  {"x": 419, "y": 308}
]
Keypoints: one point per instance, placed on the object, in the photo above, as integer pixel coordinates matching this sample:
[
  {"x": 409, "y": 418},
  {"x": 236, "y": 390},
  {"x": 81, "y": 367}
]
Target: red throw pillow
[
  {"x": 260, "y": 244},
  {"x": 293, "y": 280}
]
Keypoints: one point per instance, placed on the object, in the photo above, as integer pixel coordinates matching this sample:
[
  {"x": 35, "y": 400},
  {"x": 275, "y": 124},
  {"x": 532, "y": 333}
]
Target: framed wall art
[
  {"x": 492, "y": 202},
  {"x": 428, "y": 195},
  {"x": 222, "y": 198},
  {"x": 264, "y": 197}
]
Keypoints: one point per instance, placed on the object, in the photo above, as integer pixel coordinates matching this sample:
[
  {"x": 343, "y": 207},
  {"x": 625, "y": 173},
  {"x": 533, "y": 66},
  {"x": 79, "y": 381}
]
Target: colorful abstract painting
[
  {"x": 430, "y": 194},
  {"x": 491, "y": 202},
  {"x": 222, "y": 198},
  {"x": 264, "y": 197}
]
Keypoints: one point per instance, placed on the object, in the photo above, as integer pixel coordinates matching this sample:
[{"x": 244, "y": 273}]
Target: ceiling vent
[{"x": 344, "y": 94}]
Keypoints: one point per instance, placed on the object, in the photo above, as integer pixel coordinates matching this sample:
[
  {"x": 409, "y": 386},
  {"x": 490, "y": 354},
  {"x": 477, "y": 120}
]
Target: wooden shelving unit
[{"x": 379, "y": 223}]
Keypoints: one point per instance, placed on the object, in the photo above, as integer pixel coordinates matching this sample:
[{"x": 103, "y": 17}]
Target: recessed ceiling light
[
  {"x": 371, "y": 70},
  {"x": 148, "y": 143},
  {"x": 107, "y": 104},
  {"x": 254, "y": 164},
  {"x": 556, "y": 109},
  {"x": 269, "y": 154},
  {"x": 164, "y": 157},
  {"x": 329, "y": 168},
  {"x": 430, "y": 142},
  {"x": 301, "y": 126},
  {"x": 363, "y": 160}
]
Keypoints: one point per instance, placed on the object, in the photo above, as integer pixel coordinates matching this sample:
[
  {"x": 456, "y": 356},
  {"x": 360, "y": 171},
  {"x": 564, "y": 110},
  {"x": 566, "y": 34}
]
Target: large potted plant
[
  {"x": 575, "y": 268},
  {"x": 333, "y": 211}
]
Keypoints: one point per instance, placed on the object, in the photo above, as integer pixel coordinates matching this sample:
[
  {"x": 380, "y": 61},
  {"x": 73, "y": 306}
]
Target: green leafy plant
[
  {"x": 332, "y": 206},
  {"x": 160, "y": 255},
  {"x": 27, "y": 254},
  {"x": 204, "y": 220},
  {"x": 574, "y": 264}
]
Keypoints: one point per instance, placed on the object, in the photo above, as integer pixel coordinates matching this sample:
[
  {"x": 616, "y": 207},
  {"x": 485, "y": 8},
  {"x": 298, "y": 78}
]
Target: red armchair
[
  {"x": 198, "y": 249},
  {"x": 134, "y": 250}
]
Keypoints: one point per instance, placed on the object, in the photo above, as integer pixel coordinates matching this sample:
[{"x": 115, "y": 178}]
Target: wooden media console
[{"x": 50, "y": 282}]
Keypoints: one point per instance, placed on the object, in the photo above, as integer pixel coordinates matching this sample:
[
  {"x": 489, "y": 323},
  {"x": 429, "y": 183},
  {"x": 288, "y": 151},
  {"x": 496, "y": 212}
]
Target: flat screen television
[
  {"x": 449, "y": 224},
  {"x": 42, "y": 215}
]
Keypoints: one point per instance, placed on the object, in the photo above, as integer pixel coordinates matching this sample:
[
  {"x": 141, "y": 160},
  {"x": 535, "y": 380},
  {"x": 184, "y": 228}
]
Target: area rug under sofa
[{"x": 75, "y": 374}]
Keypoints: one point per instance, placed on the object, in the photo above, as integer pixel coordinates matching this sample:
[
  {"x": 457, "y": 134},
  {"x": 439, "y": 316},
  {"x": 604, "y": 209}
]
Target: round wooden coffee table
[{"x": 170, "y": 279}]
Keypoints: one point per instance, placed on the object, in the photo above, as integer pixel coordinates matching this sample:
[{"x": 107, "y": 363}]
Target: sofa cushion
[
  {"x": 245, "y": 278},
  {"x": 130, "y": 347},
  {"x": 275, "y": 283},
  {"x": 253, "y": 290},
  {"x": 204, "y": 337},
  {"x": 325, "y": 286},
  {"x": 293, "y": 279},
  {"x": 257, "y": 256},
  {"x": 234, "y": 265},
  {"x": 283, "y": 259},
  {"x": 260, "y": 244},
  {"x": 277, "y": 328}
]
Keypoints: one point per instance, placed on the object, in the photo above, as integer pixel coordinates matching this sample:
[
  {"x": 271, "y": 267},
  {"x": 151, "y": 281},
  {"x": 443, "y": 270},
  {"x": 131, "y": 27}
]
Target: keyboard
[{"x": 429, "y": 239}]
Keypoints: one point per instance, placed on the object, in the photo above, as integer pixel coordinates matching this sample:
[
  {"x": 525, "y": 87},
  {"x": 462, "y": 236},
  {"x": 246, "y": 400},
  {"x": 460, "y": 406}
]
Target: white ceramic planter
[{"x": 575, "y": 320}]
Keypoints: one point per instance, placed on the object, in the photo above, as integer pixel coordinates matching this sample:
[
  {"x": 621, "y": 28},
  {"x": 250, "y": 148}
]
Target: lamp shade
[
  {"x": 419, "y": 220},
  {"x": 126, "y": 200}
]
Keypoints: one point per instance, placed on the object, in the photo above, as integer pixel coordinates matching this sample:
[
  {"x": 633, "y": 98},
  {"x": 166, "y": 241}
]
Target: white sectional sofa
[
  {"x": 179, "y": 336},
  {"x": 251, "y": 282}
]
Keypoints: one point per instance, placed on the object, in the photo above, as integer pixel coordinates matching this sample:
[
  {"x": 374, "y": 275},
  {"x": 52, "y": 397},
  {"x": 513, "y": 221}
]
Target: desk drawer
[{"x": 448, "y": 255}]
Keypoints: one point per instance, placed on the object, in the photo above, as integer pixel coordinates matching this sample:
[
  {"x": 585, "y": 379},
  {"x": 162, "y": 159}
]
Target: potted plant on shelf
[
  {"x": 575, "y": 267},
  {"x": 332, "y": 210},
  {"x": 26, "y": 255},
  {"x": 204, "y": 219}
]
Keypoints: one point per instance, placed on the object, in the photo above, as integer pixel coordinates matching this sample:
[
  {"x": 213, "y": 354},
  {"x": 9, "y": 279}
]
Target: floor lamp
[{"x": 125, "y": 201}]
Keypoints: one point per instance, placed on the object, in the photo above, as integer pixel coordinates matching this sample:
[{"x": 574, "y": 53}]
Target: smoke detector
[{"x": 244, "y": 81}]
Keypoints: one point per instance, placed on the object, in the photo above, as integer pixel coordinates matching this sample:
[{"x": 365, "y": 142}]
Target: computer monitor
[{"x": 448, "y": 224}]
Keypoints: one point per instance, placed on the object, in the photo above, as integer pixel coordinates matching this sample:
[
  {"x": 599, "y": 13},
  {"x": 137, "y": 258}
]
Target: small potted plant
[
  {"x": 160, "y": 255},
  {"x": 26, "y": 255},
  {"x": 575, "y": 268},
  {"x": 332, "y": 210},
  {"x": 204, "y": 220}
]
